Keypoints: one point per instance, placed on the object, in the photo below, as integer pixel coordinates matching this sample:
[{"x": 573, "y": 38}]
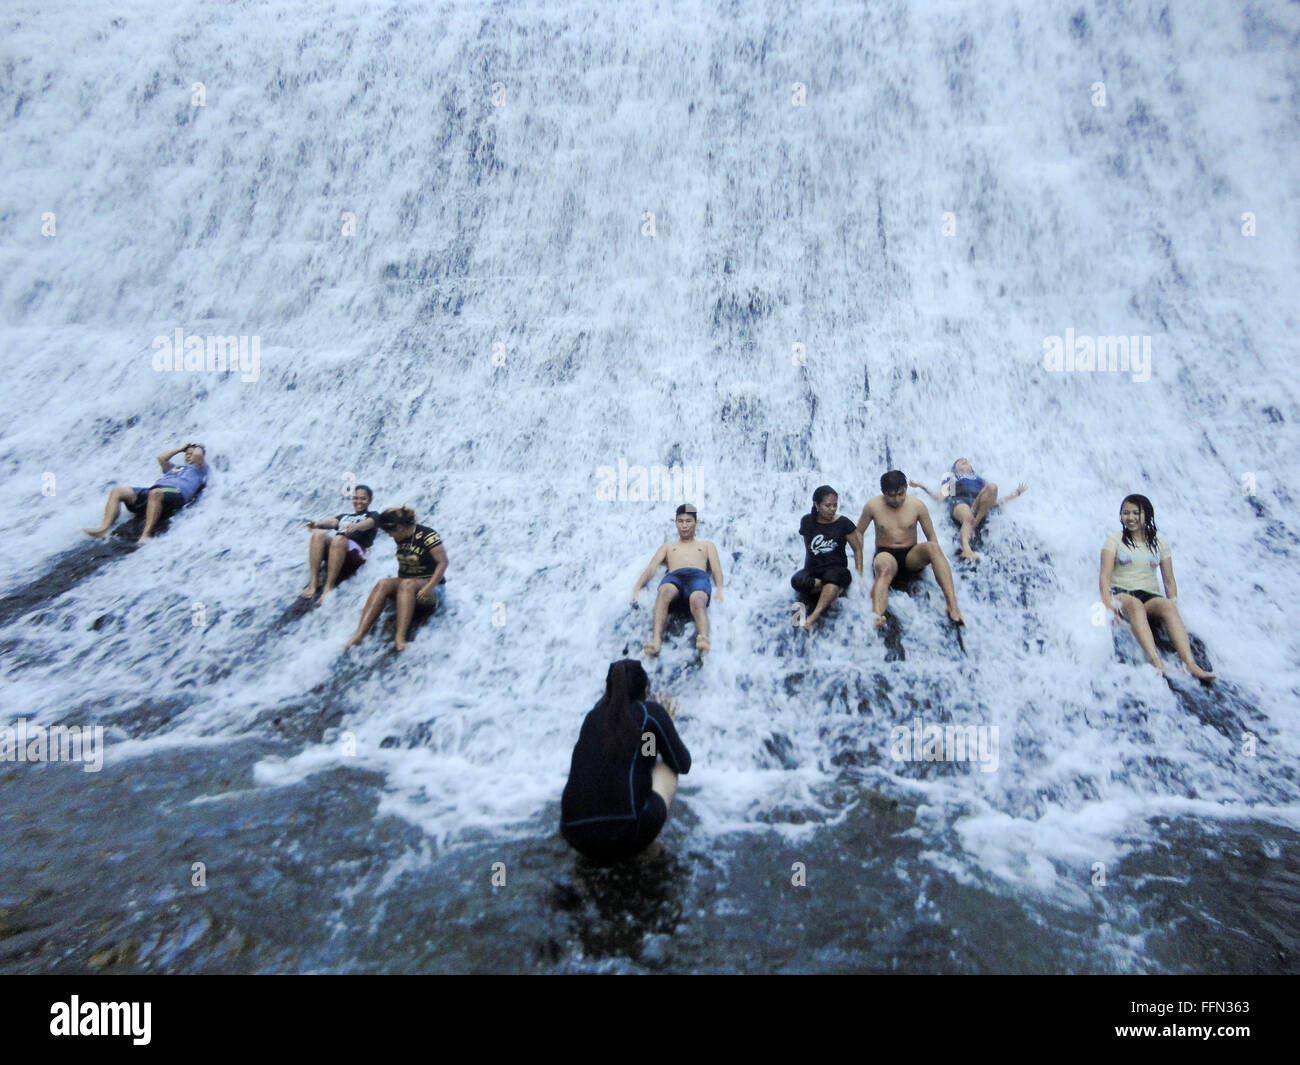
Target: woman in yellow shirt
[{"x": 1129, "y": 561}]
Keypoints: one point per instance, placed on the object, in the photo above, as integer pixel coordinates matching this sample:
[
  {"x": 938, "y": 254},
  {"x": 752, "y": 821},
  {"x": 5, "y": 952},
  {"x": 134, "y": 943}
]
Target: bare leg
[
  {"x": 965, "y": 517},
  {"x": 667, "y": 593},
  {"x": 931, "y": 553},
  {"x": 984, "y": 502},
  {"x": 1168, "y": 613},
  {"x": 698, "y": 602},
  {"x": 1137, "y": 620},
  {"x": 374, "y": 606},
  {"x": 886, "y": 567},
  {"x": 406, "y": 608},
  {"x": 315, "y": 552},
  {"x": 829, "y": 593},
  {"x": 152, "y": 512},
  {"x": 119, "y": 495},
  {"x": 664, "y": 781},
  {"x": 338, "y": 555}
]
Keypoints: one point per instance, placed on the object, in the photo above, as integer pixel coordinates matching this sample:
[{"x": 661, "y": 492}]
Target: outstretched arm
[
  {"x": 715, "y": 564},
  {"x": 661, "y": 556},
  {"x": 944, "y": 487},
  {"x": 324, "y": 523},
  {"x": 1020, "y": 490}
]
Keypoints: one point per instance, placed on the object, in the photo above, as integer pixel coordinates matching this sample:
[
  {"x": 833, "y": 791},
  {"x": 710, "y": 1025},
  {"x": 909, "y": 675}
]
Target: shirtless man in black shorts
[{"x": 899, "y": 558}]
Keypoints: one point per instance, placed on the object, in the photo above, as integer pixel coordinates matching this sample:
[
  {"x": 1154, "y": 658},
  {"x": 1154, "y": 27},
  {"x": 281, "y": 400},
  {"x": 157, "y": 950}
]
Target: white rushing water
[{"x": 488, "y": 249}]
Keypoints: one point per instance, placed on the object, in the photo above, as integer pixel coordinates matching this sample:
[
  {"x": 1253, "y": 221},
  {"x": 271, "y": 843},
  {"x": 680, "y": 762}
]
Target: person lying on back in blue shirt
[{"x": 177, "y": 486}]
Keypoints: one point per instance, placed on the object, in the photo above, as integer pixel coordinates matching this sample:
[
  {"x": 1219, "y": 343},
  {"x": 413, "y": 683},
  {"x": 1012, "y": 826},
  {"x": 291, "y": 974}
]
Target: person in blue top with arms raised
[
  {"x": 1129, "y": 560},
  {"x": 969, "y": 499},
  {"x": 177, "y": 486}
]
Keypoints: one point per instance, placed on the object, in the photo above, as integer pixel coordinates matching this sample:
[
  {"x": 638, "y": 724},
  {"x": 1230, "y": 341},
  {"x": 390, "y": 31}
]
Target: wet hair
[
  {"x": 1148, "y": 521},
  {"x": 688, "y": 508},
  {"x": 820, "y": 493},
  {"x": 625, "y": 683},
  {"x": 893, "y": 481},
  {"x": 370, "y": 496},
  {"x": 395, "y": 516},
  {"x": 953, "y": 468}
]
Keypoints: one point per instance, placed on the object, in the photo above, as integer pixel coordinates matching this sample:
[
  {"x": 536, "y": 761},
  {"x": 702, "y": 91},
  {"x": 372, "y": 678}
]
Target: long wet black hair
[
  {"x": 625, "y": 683},
  {"x": 1148, "y": 522},
  {"x": 820, "y": 493}
]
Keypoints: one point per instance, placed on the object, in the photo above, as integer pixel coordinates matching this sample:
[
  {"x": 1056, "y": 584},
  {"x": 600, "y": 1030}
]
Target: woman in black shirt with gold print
[{"x": 421, "y": 563}]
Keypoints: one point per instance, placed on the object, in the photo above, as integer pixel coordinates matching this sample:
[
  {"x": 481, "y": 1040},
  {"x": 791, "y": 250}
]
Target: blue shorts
[{"x": 689, "y": 580}]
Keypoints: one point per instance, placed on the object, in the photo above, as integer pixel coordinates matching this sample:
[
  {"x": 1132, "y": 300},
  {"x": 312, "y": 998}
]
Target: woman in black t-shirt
[
  {"x": 825, "y": 575},
  {"x": 421, "y": 562},
  {"x": 344, "y": 553}
]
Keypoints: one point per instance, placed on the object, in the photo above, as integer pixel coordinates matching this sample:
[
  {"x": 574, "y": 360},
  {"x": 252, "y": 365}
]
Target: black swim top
[{"x": 615, "y": 788}]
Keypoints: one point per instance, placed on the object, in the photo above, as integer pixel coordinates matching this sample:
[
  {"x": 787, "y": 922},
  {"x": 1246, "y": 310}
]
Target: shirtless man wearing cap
[{"x": 689, "y": 562}]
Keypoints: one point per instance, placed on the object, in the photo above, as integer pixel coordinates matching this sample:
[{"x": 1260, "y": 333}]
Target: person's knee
[
  {"x": 885, "y": 570},
  {"x": 155, "y": 495},
  {"x": 338, "y": 545},
  {"x": 699, "y": 600},
  {"x": 990, "y": 490}
]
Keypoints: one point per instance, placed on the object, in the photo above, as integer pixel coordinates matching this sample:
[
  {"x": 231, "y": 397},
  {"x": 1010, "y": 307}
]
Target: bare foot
[
  {"x": 807, "y": 625},
  {"x": 400, "y": 644},
  {"x": 143, "y": 540},
  {"x": 1197, "y": 672},
  {"x": 651, "y": 648},
  {"x": 877, "y": 620},
  {"x": 352, "y": 643},
  {"x": 98, "y": 534},
  {"x": 968, "y": 554},
  {"x": 1159, "y": 666},
  {"x": 309, "y": 592},
  {"x": 701, "y": 643},
  {"x": 954, "y": 615}
]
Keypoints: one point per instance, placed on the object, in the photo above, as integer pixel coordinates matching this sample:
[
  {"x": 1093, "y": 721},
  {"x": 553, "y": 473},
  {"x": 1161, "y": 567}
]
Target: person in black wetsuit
[
  {"x": 421, "y": 562},
  {"x": 624, "y": 770},
  {"x": 346, "y": 550},
  {"x": 825, "y": 575}
]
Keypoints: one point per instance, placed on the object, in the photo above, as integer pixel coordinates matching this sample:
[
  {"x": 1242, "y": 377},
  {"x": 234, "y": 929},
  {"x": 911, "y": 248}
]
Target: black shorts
[
  {"x": 1139, "y": 595},
  {"x": 904, "y": 577},
  {"x": 955, "y": 501},
  {"x": 172, "y": 501},
  {"x": 613, "y": 841},
  {"x": 802, "y": 582}
]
